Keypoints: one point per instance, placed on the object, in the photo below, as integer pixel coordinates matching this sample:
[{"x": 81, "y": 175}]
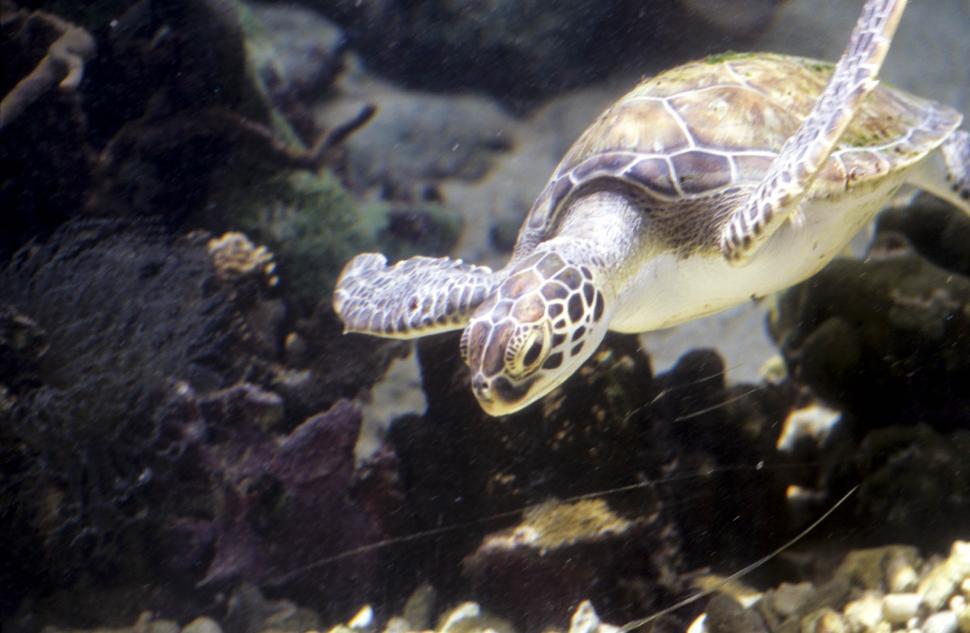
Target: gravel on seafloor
[{"x": 890, "y": 590}]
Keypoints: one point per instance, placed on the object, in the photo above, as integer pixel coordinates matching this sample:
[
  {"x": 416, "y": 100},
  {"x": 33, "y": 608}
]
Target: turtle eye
[{"x": 530, "y": 354}]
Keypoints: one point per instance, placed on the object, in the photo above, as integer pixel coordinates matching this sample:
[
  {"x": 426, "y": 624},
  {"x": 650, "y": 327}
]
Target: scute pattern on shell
[{"x": 716, "y": 124}]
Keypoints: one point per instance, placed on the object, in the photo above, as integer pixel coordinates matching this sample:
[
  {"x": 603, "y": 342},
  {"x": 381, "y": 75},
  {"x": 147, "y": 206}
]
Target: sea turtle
[{"x": 723, "y": 179}]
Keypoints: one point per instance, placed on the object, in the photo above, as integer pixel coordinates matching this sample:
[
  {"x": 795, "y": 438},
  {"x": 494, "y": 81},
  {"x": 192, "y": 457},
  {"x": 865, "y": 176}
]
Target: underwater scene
[{"x": 467, "y": 316}]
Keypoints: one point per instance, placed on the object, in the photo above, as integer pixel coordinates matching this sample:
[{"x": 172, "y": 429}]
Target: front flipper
[
  {"x": 794, "y": 170},
  {"x": 412, "y": 298}
]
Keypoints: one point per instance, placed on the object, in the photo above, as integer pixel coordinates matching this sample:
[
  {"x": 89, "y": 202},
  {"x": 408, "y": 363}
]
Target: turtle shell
[{"x": 714, "y": 126}]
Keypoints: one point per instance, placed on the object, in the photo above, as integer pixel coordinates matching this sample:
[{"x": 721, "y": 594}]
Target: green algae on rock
[{"x": 314, "y": 224}]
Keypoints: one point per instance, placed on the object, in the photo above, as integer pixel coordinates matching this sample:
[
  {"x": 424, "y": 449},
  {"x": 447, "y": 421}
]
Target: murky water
[{"x": 190, "y": 442}]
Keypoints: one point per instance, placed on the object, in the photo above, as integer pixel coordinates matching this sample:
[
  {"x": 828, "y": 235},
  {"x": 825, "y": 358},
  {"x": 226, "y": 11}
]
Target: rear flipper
[
  {"x": 778, "y": 195},
  {"x": 946, "y": 172}
]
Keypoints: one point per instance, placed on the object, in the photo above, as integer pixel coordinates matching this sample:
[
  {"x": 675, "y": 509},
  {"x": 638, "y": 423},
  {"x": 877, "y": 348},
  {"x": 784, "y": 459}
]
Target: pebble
[
  {"x": 898, "y": 608},
  {"x": 585, "y": 619},
  {"x": 943, "y": 580},
  {"x": 364, "y": 620},
  {"x": 963, "y": 620},
  {"x": 398, "y": 624},
  {"x": 942, "y": 622},
  {"x": 901, "y": 576},
  {"x": 865, "y": 613},
  {"x": 202, "y": 625},
  {"x": 789, "y": 599},
  {"x": 459, "y": 616},
  {"x": 827, "y": 621},
  {"x": 957, "y": 603},
  {"x": 419, "y": 608}
]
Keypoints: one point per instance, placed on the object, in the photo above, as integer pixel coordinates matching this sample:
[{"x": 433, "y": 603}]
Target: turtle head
[{"x": 533, "y": 332}]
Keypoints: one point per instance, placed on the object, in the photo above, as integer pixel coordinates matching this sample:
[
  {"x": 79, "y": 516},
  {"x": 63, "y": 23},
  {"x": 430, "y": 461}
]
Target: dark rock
[
  {"x": 742, "y": 18},
  {"x": 285, "y": 507},
  {"x": 515, "y": 50},
  {"x": 177, "y": 113},
  {"x": 44, "y": 153},
  {"x": 910, "y": 473},
  {"x": 330, "y": 364},
  {"x": 935, "y": 230},
  {"x": 726, "y": 615},
  {"x": 887, "y": 339},
  {"x": 563, "y": 553}
]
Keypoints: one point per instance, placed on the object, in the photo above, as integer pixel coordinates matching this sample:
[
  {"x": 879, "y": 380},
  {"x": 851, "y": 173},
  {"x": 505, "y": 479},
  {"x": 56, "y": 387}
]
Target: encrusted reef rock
[
  {"x": 886, "y": 339},
  {"x": 886, "y": 342},
  {"x": 612, "y": 427},
  {"x": 561, "y": 553},
  {"x": 908, "y": 473},
  {"x": 286, "y": 505}
]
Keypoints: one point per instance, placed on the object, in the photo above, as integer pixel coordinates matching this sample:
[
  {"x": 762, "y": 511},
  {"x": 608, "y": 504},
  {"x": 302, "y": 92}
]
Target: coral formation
[
  {"x": 234, "y": 256},
  {"x": 122, "y": 311}
]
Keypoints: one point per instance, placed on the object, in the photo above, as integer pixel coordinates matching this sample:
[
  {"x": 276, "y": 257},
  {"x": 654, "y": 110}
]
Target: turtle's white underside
[{"x": 667, "y": 290}]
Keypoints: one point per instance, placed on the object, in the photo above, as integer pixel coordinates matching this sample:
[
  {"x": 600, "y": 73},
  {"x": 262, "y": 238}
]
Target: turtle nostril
[{"x": 481, "y": 388}]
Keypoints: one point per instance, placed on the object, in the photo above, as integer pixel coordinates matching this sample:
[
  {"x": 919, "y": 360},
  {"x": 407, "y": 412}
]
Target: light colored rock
[
  {"x": 202, "y": 625},
  {"x": 942, "y": 581},
  {"x": 898, "y": 608},
  {"x": 864, "y": 614},
  {"x": 963, "y": 620},
  {"x": 901, "y": 576},
  {"x": 364, "y": 620},
  {"x": 942, "y": 622},
  {"x": 698, "y": 625},
  {"x": 866, "y": 567},
  {"x": 824, "y": 621},
  {"x": 813, "y": 422},
  {"x": 468, "y": 617},
  {"x": 585, "y": 619},
  {"x": 398, "y": 624},
  {"x": 789, "y": 598},
  {"x": 463, "y": 613},
  {"x": 419, "y": 608},
  {"x": 957, "y": 603}
]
